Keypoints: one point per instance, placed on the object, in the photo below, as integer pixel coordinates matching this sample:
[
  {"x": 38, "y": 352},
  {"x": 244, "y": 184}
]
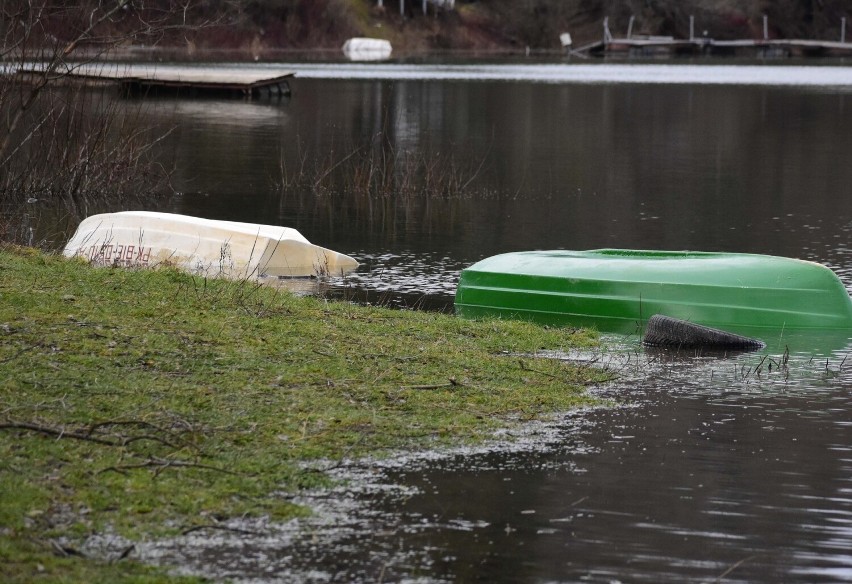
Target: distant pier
[
  {"x": 646, "y": 45},
  {"x": 189, "y": 80}
]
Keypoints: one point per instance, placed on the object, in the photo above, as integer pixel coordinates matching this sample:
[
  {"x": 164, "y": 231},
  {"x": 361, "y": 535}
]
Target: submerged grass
[{"x": 150, "y": 402}]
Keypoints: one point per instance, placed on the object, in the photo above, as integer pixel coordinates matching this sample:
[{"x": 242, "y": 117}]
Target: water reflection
[
  {"x": 729, "y": 168},
  {"x": 703, "y": 470}
]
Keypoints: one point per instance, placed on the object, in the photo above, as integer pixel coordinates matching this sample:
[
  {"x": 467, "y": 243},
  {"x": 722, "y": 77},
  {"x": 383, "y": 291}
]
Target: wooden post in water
[
  {"x": 691, "y": 28},
  {"x": 630, "y": 27},
  {"x": 424, "y": 7},
  {"x": 843, "y": 30},
  {"x": 402, "y": 8},
  {"x": 765, "y": 27}
]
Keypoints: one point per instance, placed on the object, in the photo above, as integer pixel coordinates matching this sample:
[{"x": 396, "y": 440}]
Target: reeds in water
[{"x": 380, "y": 170}]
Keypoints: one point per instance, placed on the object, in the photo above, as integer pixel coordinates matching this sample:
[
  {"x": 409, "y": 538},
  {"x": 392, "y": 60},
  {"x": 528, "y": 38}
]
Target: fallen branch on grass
[
  {"x": 65, "y": 551},
  {"x": 526, "y": 367},
  {"x": 61, "y": 432},
  {"x": 220, "y": 528},
  {"x": 452, "y": 383},
  {"x": 58, "y": 432},
  {"x": 162, "y": 464}
]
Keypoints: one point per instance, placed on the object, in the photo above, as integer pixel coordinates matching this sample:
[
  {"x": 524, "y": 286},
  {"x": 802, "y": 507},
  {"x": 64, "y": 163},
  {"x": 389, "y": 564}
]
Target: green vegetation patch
[{"x": 152, "y": 402}]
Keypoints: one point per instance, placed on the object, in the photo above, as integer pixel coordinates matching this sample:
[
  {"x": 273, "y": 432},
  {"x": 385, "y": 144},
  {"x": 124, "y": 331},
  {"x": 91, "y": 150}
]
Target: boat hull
[
  {"x": 619, "y": 290},
  {"x": 367, "y": 49},
  {"x": 207, "y": 247}
]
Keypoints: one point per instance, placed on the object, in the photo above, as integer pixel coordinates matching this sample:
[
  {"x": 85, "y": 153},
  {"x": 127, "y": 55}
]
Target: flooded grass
[
  {"x": 441, "y": 515},
  {"x": 154, "y": 403}
]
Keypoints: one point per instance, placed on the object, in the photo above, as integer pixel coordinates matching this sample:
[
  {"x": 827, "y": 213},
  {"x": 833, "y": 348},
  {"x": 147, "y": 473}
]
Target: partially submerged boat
[
  {"x": 618, "y": 290},
  {"x": 207, "y": 247}
]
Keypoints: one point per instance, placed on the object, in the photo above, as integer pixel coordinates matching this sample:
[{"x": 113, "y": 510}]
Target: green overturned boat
[{"x": 617, "y": 290}]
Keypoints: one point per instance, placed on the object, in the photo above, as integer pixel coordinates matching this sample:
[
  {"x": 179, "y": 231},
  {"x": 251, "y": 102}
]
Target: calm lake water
[{"x": 709, "y": 469}]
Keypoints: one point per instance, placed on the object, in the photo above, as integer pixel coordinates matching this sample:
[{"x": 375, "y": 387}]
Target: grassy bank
[{"x": 152, "y": 402}]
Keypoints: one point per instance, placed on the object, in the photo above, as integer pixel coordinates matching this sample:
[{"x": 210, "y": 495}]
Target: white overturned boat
[
  {"x": 207, "y": 247},
  {"x": 367, "y": 49}
]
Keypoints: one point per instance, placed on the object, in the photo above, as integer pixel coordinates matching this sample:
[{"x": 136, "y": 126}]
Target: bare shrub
[
  {"x": 76, "y": 154},
  {"x": 66, "y": 152}
]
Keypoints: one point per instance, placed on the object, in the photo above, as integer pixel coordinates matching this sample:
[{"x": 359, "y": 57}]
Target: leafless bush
[
  {"x": 65, "y": 151},
  {"x": 77, "y": 154}
]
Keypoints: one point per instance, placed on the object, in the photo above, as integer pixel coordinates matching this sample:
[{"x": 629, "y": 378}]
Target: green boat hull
[{"x": 619, "y": 290}]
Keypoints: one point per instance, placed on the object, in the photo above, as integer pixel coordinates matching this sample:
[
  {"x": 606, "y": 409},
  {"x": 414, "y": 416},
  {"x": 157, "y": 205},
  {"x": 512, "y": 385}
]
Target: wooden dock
[
  {"x": 771, "y": 47},
  {"x": 646, "y": 45},
  {"x": 184, "y": 80}
]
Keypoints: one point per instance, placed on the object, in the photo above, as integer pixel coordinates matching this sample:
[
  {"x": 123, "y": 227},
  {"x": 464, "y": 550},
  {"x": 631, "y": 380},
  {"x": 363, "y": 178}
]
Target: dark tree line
[{"x": 313, "y": 23}]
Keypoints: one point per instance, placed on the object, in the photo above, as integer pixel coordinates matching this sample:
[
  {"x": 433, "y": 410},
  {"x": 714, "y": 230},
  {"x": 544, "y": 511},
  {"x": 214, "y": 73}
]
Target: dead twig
[
  {"x": 162, "y": 464},
  {"x": 126, "y": 440},
  {"x": 125, "y": 552},
  {"x": 109, "y": 423},
  {"x": 526, "y": 367},
  {"x": 220, "y": 528},
  {"x": 131, "y": 439},
  {"x": 58, "y": 432},
  {"x": 21, "y": 352},
  {"x": 452, "y": 383},
  {"x": 734, "y": 567},
  {"x": 65, "y": 550}
]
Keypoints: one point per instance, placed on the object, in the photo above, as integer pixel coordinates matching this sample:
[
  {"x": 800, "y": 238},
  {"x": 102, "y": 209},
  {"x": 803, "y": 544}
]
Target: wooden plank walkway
[{"x": 190, "y": 80}]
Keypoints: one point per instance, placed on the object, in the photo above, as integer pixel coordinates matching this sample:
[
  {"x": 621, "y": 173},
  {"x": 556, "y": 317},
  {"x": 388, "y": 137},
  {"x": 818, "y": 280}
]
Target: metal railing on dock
[{"x": 648, "y": 44}]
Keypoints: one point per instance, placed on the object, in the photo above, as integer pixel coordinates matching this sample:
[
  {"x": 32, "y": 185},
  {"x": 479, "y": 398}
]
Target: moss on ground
[{"x": 149, "y": 402}]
